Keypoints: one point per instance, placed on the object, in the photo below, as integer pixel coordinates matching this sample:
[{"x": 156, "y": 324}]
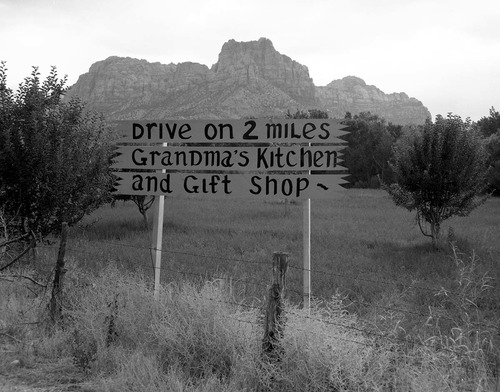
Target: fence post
[{"x": 273, "y": 328}]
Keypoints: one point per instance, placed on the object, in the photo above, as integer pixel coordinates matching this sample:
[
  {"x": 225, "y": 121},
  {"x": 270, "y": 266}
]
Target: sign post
[
  {"x": 157, "y": 239},
  {"x": 254, "y": 158},
  {"x": 156, "y": 245},
  {"x": 306, "y": 234}
]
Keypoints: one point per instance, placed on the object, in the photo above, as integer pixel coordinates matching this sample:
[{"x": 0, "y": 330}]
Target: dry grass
[{"x": 198, "y": 338}]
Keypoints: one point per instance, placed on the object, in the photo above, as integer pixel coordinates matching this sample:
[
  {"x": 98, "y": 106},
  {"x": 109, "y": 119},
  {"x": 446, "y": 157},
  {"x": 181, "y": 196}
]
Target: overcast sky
[{"x": 446, "y": 53}]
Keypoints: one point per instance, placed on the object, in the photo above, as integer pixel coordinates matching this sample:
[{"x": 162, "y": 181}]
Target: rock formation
[
  {"x": 249, "y": 79},
  {"x": 352, "y": 94}
]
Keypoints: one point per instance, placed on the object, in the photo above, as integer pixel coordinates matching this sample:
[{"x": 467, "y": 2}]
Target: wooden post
[
  {"x": 60, "y": 271},
  {"x": 273, "y": 329},
  {"x": 306, "y": 235},
  {"x": 156, "y": 243}
]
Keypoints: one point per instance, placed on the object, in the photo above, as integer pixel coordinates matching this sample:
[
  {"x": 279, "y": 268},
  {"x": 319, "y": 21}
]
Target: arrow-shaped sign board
[
  {"x": 222, "y": 185},
  {"x": 238, "y": 158},
  {"x": 232, "y": 131}
]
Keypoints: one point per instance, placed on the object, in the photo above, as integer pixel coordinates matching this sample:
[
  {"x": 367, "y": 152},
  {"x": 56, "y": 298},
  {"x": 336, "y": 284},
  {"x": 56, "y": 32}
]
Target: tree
[
  {"x": 440, "y": 172},
  {"x": 142, "y": 202},
  {"x": 490, "y": 128},
  {"x": 493, "y": 175},
  {"x": 53, "y": 155},
  {"x": 490, "y": 125},
  {"x": 311, "y": 113},
  {"x": 369, "y": 152}
]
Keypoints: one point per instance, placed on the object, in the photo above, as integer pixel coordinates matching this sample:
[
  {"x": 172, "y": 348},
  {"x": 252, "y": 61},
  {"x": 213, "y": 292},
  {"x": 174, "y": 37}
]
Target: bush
[
  {"x": 440, "y": 172},
  {"x": 54, "y": 156}
]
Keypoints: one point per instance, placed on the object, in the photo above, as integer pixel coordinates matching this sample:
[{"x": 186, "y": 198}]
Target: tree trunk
[
  {"x": 55, "y": 300},
  {"x": 143, "y": 205},
  {"x": 145, "y": 219},
  {"x": 435, "y": 231}
]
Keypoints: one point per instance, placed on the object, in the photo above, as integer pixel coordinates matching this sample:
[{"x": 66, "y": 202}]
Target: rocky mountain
[{"x": 249, "y": 79}]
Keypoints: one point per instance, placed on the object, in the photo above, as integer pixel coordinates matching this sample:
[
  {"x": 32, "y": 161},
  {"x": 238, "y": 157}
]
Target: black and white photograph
[{"x": 249, "y": 196}]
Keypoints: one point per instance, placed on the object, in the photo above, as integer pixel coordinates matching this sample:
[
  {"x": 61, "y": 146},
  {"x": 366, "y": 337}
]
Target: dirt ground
[{"x": 20, "y": 375}]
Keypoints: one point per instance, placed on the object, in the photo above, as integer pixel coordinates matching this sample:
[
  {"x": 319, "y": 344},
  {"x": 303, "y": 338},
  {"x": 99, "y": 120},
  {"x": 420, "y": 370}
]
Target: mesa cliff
[{"x": 250, "y": 79}]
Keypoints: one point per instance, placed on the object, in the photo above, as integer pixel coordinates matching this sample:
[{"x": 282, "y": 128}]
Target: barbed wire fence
[
  {"x": 262, "y": 285},
  {"x": 366, "y": 333}
]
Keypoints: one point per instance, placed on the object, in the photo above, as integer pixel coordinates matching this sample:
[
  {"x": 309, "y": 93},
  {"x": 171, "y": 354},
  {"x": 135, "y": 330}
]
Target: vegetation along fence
[{"x": 270, "y": 291}]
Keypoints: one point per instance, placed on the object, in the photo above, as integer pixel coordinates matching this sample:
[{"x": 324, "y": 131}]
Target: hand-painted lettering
[
  {"x": 193, "y": 184},
  {"x": 248, "y": 134},
  {"x": 269, "y": 186}
]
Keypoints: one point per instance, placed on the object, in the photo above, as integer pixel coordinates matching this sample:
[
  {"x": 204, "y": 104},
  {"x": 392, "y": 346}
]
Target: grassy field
[
  {"x": 361, "y": 245},
  {"x": 372, "y": 270}
]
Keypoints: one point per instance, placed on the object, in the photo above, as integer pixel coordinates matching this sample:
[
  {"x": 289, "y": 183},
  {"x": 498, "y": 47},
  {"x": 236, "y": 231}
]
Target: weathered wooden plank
[
  {"x": 216, "y": 185},
  {"x": 232, "y": 131},
  {"x": 240, "y": 158}
]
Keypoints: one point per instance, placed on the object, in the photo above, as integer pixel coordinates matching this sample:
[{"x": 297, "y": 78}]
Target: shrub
[
  {"x": 54, "y": 155},
  {"x": 440, "y": 172}
]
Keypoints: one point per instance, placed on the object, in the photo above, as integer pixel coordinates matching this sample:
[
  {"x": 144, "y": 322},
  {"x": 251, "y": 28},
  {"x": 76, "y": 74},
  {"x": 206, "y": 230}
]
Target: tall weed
[{"x": 199, "y": 331}]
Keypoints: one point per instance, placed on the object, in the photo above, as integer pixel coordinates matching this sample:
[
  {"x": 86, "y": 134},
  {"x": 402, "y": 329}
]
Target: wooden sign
[
  {"x": 227, "y": 185},
  {"x": 229, "y": 131},
  {"x": 238, "y": 158},
  {"x": 307, "y": 146}
]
